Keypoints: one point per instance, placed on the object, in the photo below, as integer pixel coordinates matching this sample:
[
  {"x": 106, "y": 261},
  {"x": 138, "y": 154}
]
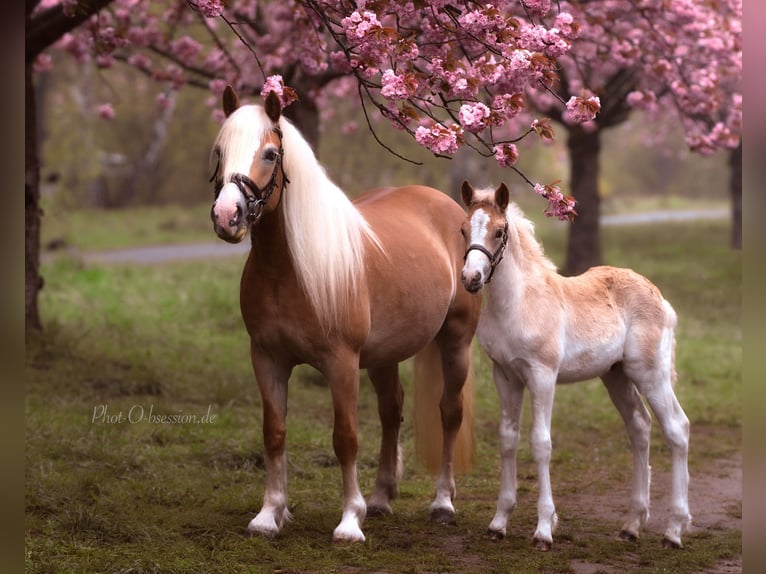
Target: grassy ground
[{"x": 107, "y": 493}]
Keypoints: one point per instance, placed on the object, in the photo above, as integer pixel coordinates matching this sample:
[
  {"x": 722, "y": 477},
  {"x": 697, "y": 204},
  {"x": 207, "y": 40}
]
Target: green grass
[
  {"x": 95, "y": 229},
  {"x": 148, "y": 497}
]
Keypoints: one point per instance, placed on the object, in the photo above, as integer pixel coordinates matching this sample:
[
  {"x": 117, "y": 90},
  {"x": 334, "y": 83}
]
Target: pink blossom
[
  {"x": 537, "y": 7},
  {"x": 186, "y": 49},
  {"x": 105, "y": 111},
  {"x": 583, "y": 109},
  {"x": 394, "y": 87},
  {"x": 210, "y": 8},
  {"x": 473, "y": 117},
  {"x": 559, "y": 205},
  {"x": 275, "y": 84},
  {"x": 439, "y": 138},
  {"x": 506, "y": 154},
  {"x": 43, "y": 63},
  {"x": 358, "y": 25}
]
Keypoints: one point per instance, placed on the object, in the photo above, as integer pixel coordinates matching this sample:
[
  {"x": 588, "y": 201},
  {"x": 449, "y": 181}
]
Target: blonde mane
[
  {"x": 325, "y": 232},
  {"x": 529, "y": 247}
]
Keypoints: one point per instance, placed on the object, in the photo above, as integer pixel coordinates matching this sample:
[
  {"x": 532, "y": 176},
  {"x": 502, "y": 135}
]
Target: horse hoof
[
  {"x": 629, "y": 536},
  {"x": 495, "y": 534},
  {"x": 668, "y": 543},
  {"x": 541, "y": 545},
  {"x": 443, "y": 516}
]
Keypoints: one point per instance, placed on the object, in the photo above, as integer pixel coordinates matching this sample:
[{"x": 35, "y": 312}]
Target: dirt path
[
  {"x": 155, "y": 254},
  {"x": 715, "y": 499}
]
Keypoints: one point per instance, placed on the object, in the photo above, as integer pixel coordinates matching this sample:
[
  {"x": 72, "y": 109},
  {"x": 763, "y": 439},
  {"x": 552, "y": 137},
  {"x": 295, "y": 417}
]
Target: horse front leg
[
  {"x": 390, "y": 402},
  {"x": 542, "y": 384},
  {"x": 343, "y": 375},
  {"x": 510, "y": 390},
  {"x": 272, "y": 382}
]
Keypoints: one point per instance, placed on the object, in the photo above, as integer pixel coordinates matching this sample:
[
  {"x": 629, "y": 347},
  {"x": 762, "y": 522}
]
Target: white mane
[
  {"x": 325, "y": 232},
  {"x": 529, "y": 246}
]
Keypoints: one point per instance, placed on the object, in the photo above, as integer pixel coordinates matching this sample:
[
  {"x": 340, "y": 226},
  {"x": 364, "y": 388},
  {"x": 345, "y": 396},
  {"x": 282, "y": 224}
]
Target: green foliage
[{"x": 148, "y": 497}]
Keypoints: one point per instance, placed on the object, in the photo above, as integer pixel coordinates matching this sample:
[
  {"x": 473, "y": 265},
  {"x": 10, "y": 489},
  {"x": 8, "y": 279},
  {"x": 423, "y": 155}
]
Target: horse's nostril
[{"x": 235, "y": 220}]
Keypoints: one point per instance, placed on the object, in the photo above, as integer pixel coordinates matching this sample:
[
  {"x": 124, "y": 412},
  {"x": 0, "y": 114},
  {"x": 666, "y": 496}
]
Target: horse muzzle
[
  {"x": 473, "y": 280},
  {"x": 230, "y": 220}
]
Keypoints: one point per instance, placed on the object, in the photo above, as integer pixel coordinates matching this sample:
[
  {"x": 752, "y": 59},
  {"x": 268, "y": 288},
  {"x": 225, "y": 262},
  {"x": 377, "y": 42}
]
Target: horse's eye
[
  {"x": 270, "y": 155},
  {"x": 499, "y": 234}
]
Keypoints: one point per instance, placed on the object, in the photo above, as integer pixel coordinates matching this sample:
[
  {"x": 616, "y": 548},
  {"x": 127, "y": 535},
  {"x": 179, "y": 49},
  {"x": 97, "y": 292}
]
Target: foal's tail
[{"x": 429, "y": 384}]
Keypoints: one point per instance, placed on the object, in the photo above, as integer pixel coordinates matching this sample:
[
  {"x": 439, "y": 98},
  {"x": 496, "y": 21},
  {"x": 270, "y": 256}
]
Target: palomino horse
[
  {"x": 540, "y": 328},
  {"x": 342, "y": 286}
]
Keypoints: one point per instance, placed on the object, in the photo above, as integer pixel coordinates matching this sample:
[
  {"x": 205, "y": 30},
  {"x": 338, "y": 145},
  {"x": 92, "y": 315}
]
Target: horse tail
[
  {"x": 671, "y": 320},
  {"x": 429, "y": 384}
]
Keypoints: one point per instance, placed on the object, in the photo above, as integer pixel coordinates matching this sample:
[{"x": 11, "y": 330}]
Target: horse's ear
[
  {"x": 466, "y": 193},
  {"x": 230, "y": 101},
  {"x": 273, "y": 107},
  {"x": 502, "y": 196}
]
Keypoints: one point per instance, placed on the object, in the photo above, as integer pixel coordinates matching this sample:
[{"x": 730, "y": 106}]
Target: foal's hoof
[
  {"x": 495, "y": 534},
  {"x": 542, "y": 545},
  {"x": 443, "y": 516},
  {"x": 668, "y": 543},
  {"x": 626, "y": 535}
]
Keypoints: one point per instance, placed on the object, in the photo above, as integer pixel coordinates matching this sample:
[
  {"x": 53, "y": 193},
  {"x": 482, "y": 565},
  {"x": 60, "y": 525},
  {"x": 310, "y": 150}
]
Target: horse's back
[
  {"x": 420, "y": 206},
  {"x": 414, "y": 283}
]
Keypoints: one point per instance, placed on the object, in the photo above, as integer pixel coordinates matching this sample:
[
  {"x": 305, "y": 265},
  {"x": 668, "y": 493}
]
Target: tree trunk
[
  {"x": 144, "y": 168},
  {"x": 735, "y": 189},
  {"x": 584, "y": 244},
  {"x": 32, "y": 212}
]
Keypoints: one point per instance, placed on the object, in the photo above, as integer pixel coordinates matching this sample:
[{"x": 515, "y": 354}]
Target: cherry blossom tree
[
  {"x": 678, "y": 61},
  {"x": 452, "y": 74}
]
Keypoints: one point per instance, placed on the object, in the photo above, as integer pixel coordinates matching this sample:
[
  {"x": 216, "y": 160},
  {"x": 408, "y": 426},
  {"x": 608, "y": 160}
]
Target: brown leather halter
[
  {"x": 494, "y": 258},
  {"x": 256, "y": 197}
]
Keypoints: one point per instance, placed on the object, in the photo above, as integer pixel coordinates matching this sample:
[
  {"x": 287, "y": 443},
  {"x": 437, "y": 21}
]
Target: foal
[{"x": 540, "y": 328}]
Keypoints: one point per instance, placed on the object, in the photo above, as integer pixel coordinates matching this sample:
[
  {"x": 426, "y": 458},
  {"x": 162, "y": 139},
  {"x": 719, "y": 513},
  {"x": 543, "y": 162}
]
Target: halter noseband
[
  {"x": 256, "y": 197},
  {"x": 494, "y": 258}
]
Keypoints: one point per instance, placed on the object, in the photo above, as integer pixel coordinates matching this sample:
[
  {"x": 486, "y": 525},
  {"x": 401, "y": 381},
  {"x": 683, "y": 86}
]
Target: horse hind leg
[
  {"x": 454, "y": 343},
  {"x": 675, "y": 429},
  {"x": 390, "y": 401},
  {"x": 638, "y": 422}
]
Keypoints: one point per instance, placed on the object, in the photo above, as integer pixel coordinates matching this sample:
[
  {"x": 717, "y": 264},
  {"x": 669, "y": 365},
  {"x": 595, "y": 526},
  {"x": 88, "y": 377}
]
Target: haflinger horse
[
  {"x": 344, "y": 285},
  {"x": 541, "y": 328}
]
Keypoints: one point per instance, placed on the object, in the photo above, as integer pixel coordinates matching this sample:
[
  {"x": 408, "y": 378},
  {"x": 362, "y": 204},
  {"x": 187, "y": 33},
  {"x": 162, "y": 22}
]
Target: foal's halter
[
  {"x": 256, "y": 197},
  {"x": 494, "y": 258}
]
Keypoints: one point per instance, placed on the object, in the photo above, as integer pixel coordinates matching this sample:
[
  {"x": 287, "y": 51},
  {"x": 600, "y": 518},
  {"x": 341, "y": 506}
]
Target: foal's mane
[
  {"x": 530, "y": 247},
  {"x": 324, "y": 230}
]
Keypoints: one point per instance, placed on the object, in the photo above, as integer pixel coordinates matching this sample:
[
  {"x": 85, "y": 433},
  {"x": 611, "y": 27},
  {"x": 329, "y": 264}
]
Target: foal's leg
[
  {"x": 390, "y": 402},
  {"x": 456, "y": 360},
  {"x": 638, "y": 424},
  {"x": 510, "y": 390},
  {"x": 542, "y": 383},
  {"x": 272, "y": 382},
  {"x": 675, "y": 428},
  {"x": 342, "y": 371}
]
